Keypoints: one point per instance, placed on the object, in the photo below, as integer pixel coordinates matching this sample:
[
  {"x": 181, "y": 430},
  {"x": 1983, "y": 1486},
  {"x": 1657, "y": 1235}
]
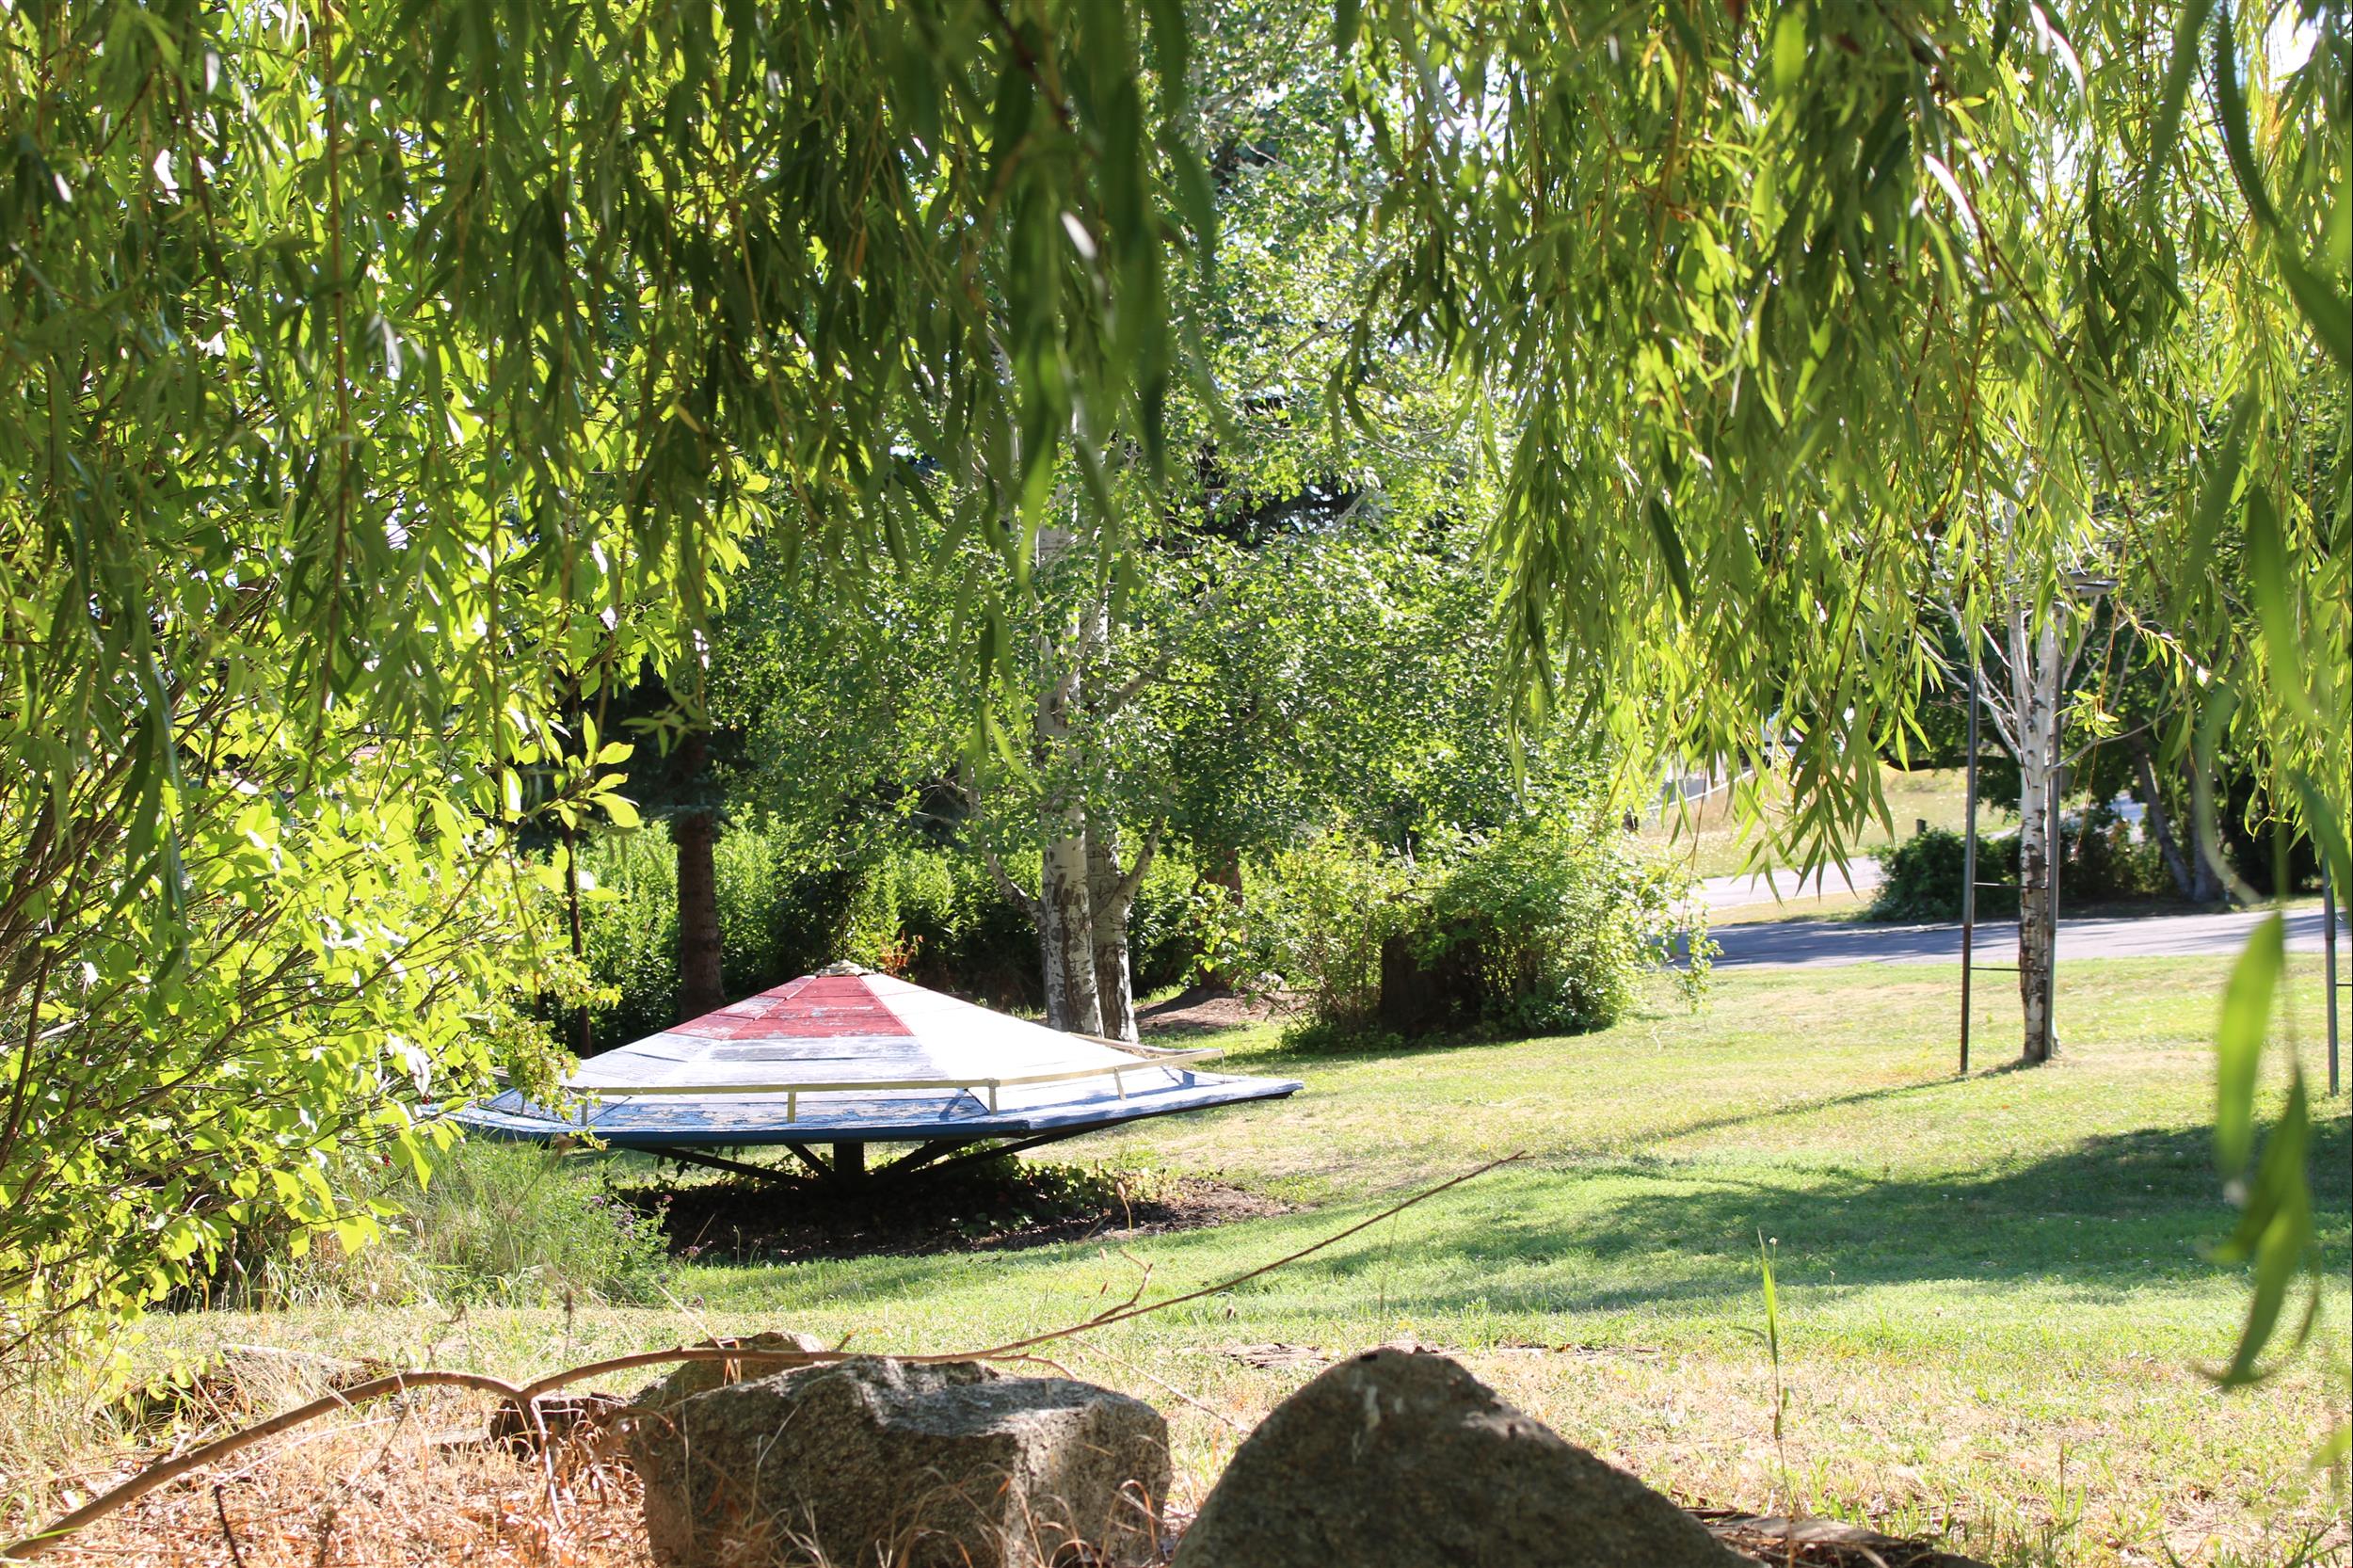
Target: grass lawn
[
  {"x": 1708, "y": 839},
  {"x": 1993, "y": 1305}
]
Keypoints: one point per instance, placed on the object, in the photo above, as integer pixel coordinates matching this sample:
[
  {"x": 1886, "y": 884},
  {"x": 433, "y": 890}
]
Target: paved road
[
  {"x": 1812, "y": 944},
  {"x": 1733, "y": 893}
]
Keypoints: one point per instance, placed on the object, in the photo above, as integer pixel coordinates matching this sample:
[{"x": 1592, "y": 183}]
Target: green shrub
[
  {"x": 1165, "y": 927},
  {"x": 2105, "y": 861},
  {"x": 629, "y": 927},
  {"x": 500, "y": 1222},
  {"x": 1924, "y": 876},
  {"x": 933, "y": 914},
  {"x": 777, "y": 918},
  {"x": 1547, "y": 926},
  {"x": 940, "y": 918},
  {"x": 884, "y": 895},
  {"x": 2100, "y": 860},
  {"x": 1318, "y": 916},
  {"x": 965, "y": 936}
]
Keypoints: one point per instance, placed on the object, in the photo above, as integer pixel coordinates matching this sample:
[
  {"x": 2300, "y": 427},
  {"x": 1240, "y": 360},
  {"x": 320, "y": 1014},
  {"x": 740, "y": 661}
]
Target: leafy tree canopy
[
  {"x": 1775, "y": 307},
  {"x": 380, "y": 377}
]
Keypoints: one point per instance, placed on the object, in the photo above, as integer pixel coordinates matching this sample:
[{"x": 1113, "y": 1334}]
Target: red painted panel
[{"x": 814, "y": 1009}]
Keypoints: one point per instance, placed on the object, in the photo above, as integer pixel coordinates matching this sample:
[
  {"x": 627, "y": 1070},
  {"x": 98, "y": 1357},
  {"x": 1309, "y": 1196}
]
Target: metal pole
[
  {"x": 2055, "y": 801},
  {"x": 1969, "y": 860},
  {"x": 2329, "y": 961},
  {"x": 849, "y": 1166}
]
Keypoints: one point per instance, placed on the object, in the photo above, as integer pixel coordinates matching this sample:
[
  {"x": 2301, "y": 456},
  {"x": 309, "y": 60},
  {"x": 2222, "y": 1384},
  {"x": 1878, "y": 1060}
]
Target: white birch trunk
[
  {"x": 1066, "y": 926},
  {"x": 2034, "y": 660},
  {"x": 1111, "y": 893}
]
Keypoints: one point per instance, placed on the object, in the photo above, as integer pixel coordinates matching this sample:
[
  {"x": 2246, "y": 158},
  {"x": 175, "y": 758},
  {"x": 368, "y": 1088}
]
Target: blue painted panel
[{"x": 667, "y": 1121}]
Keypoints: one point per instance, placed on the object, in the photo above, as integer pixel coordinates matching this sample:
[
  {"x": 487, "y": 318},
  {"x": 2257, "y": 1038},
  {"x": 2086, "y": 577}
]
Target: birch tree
[
  {"x": 379, "y": 378},
  {"x": 2036, "y": 650},
  {"x": 375, "y": 365}
]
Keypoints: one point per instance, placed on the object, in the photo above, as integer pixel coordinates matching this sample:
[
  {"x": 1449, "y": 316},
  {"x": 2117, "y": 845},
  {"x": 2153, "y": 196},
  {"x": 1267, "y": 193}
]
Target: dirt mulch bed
[
  {"x": 1202, "y": 1010},
  {"x": 420, "y": 1486},
  {"x": 990, "y": 1209}
]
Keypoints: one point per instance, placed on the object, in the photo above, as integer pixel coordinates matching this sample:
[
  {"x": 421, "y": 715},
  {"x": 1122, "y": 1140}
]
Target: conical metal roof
[{"x": 849, "y": 1054}]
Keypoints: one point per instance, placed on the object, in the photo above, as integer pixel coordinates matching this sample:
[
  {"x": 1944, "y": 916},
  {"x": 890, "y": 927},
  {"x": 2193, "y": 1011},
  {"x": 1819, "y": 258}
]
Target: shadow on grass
[
  {"x": 1750, "y": 1115},
  {"x": 2110, "y": 1216}
]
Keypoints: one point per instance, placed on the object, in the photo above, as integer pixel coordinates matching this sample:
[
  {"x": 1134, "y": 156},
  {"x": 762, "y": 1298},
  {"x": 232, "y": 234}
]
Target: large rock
[
  {"x": 870, "y": 1462},
  {"x": 764, "y": 1354},
  {"x": 1400, "y": 1459}
]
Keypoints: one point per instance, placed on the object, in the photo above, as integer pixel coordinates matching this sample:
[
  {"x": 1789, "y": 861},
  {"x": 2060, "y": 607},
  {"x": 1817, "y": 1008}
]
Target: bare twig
[
  {"x": 526, "y": 1395},
  {"x": 1124, "y": 1313},
  {"x": 221, "y": 1507},
  {"x": 1198, "y": 1403},
  {"x": 164, "y": 1471}
]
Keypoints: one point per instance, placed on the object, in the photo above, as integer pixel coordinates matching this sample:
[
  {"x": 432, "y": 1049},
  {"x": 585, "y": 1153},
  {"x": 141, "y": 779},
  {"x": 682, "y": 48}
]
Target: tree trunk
[
  {"x": 1066, "y": 925},
  {"x": 584, "y": 1039},
  {"x": 1110, "y": 894},
  {"x": 1065, "y": 930},
  {"x": 700, "y": 989},
  {"x": 2035, "y": 672},
  {"x": 2161, "y": 826},
  {"x": 2205, "y": 881}
]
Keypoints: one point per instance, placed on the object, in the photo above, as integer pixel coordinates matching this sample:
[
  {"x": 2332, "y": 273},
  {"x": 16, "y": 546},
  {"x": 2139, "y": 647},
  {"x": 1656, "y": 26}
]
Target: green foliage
[
  {"x": 2273, "y": 1187},
  {"x": 965, "y": 936},
  {"x": 383, "y": 381},
  {"x": 933, "y": 914},
  {"x": 1838, "y": 333},
  {"x": 629, "y": 921},
  {"x": 1167, "y": 927},
  {"x": 1544, "y": 926},
  {"x": 1895, "y": 344},
  {"x": 1316, "y": 921},
  {"x": 182, "y": 1069},
  {"x": 779, "y": 916},
  {"x": 1551, "y": 921},
  {"x": 498, "y": 1224},
  {"x": 1925, "y": 873},
  {"x": 2100, "y": 860}
]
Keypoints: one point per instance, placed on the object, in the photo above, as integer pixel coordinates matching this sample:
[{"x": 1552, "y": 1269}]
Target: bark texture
[
  {"x": 2034, "y": 661},
  {"x": 700, "y": 989},
  {"x": 1065, "y": 929},
  {"x": 1112, "y": 897}
]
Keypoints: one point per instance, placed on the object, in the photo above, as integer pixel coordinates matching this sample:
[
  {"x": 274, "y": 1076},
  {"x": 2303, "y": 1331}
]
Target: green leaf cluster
[{"x": 379, "y": 384}]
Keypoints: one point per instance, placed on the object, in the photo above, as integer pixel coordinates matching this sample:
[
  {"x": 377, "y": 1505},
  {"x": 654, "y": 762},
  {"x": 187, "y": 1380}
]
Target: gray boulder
[
  {"x": 1402, "y": 1459},
  {"x": 870, "y": 1462},
  {"x": 764, "y": 1354}
]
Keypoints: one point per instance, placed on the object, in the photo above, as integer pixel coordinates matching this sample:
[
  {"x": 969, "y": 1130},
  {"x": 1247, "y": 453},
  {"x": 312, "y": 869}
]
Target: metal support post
[
  {"x": 2329, "y": 961},
  {"x": 849, "y": 1163},
  {"x": 1969, "y": 862},
  {"x": 2056, "y": 801}
]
